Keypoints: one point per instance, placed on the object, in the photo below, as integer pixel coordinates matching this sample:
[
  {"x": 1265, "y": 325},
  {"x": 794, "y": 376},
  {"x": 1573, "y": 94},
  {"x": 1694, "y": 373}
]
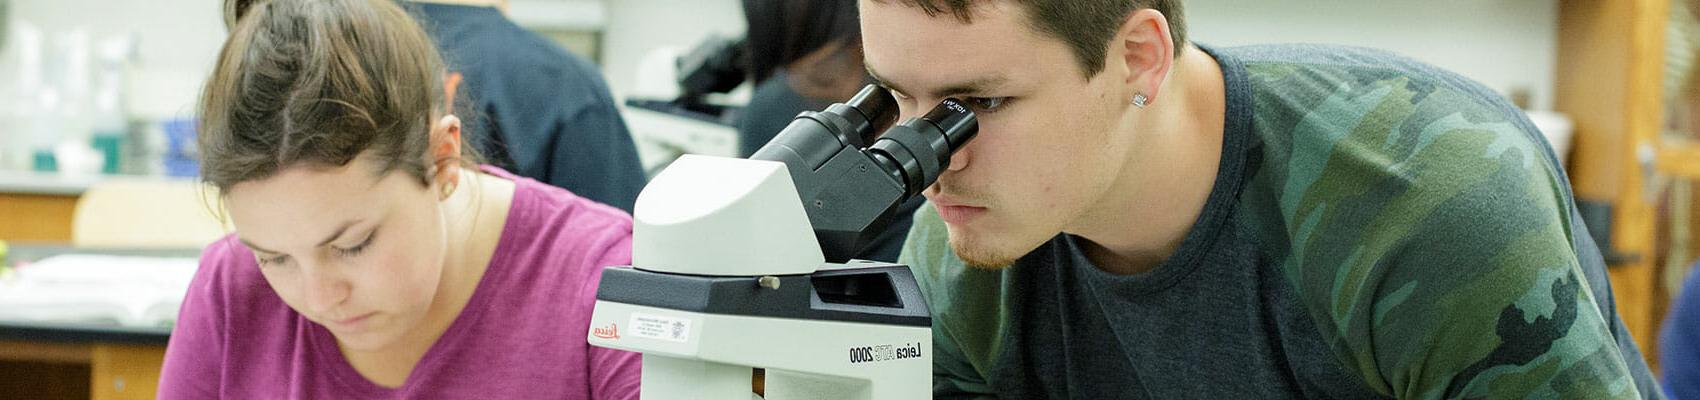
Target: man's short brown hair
[{"x": 1085, "y": 25}]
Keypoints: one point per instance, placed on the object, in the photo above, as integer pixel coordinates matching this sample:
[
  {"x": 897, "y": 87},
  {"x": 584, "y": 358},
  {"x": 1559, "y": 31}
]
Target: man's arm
[{"x": 1445, "y": 264}]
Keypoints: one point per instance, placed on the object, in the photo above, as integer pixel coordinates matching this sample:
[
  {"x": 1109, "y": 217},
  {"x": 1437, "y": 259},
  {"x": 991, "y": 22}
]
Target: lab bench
[{"x": 79, "y": 361}]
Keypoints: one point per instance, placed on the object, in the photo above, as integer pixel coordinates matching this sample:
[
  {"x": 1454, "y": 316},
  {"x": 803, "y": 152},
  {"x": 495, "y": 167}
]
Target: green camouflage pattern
[{"x": 1423, "y": 224}]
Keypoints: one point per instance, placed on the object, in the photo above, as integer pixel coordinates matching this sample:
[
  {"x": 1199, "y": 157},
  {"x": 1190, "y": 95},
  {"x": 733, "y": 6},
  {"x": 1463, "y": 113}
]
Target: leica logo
[{"x": 611, "y": 332}]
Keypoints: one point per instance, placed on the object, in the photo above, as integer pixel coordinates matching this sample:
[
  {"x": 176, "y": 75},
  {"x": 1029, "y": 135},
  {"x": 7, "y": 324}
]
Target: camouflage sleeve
[
  {"x": 927, "y": 252},
  {"x": 1434, "y": 243}
]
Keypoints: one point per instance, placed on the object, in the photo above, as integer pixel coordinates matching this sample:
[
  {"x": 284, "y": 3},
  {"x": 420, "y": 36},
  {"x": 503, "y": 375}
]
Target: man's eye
[{"x": 986, "y": 104}]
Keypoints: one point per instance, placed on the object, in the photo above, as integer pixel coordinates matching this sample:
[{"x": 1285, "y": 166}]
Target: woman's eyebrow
[{"x": 338, "y": 233}]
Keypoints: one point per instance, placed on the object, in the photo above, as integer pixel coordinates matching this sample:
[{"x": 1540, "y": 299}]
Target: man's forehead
[
  {"x": 959, "y": 10},
  {"x": 903, "y": 43},
  {"x": 910, "y": 51}
]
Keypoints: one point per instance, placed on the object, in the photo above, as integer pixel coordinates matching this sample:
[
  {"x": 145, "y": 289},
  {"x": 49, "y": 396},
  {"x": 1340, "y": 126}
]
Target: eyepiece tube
[
  {"x": 918, "y": 150},
  {"x": 958, "y": 124},
  {"x": 813, "y": 138},
  {"x": 876, "y": 106}
]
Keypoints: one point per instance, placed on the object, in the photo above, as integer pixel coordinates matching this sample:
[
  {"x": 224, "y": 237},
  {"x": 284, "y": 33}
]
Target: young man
[{"x": 1140, "y": 217}]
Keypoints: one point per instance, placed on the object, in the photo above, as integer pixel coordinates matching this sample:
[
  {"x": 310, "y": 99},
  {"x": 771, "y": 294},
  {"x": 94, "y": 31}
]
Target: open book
[{"x": 98, "y": 290}]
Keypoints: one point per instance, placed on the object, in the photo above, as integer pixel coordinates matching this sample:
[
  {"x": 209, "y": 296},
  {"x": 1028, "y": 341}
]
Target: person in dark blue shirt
[
  {"x": 1679, "y": 343},
  {"x": 536, "y": 109}
]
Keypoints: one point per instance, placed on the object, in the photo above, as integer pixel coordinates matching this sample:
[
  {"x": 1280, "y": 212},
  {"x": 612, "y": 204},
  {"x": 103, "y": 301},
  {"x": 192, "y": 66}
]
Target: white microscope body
[
  {"x": 742, "y": 220},
  {"x": 731, "y": 270}
]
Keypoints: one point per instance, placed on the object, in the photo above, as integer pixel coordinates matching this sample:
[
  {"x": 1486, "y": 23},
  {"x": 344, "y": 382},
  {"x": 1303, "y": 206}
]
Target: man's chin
[{"x": 979, "y": 255}]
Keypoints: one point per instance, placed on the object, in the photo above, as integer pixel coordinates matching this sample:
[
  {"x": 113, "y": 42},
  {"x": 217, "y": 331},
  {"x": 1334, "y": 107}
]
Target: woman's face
[{"x": 359, "y": 253}]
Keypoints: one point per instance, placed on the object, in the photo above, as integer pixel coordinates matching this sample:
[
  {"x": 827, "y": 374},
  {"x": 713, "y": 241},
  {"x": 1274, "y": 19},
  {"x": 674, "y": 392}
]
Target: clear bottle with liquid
[{"x": 111, "y": 111}]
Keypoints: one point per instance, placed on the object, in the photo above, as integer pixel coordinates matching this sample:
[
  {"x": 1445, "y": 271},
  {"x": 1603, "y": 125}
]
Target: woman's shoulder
[
  {"x": 549, "y": 220},
  {"x": 230, "y": 300},
  {"x": 229, "y": 276}
]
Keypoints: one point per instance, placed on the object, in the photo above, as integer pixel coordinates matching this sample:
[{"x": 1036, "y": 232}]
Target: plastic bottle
[{"x": 110, "y": 111}]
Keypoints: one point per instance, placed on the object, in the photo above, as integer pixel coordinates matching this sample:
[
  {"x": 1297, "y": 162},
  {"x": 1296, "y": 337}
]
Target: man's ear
[
  {"x": 445, "y": 150},
  {"x": 1144, "y": 52}
]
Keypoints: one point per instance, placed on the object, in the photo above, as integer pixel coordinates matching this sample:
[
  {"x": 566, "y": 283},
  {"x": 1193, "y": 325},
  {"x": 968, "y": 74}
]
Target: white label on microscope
[{"x": 659, "y": 327}]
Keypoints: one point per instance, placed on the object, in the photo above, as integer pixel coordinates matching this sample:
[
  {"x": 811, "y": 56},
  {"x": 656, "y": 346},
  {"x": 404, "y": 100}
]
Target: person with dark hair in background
[
  {"x": 804, "y": 56},
  {"x": 536, "y": 108}
]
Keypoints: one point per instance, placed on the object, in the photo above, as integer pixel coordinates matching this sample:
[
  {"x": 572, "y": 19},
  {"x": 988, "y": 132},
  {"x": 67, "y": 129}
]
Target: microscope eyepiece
[
  {"x": 955, "y": 121},
  {"x": 850, "y": 188},
  {"x": 877, "y": 107},
  {"x": 917, "y": 150}
]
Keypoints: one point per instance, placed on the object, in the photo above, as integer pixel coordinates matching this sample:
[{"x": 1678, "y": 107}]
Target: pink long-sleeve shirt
[{"x": 521, "y": 335}]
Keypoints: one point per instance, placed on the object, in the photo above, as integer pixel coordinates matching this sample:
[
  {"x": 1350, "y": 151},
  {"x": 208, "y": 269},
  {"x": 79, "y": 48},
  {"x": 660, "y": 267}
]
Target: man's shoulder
[{"x": 1339, "y": 123}]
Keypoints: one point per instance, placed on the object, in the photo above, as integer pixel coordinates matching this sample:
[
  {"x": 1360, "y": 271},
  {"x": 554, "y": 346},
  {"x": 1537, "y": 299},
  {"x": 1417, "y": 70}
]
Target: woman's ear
[
  {"x": 446, "y": 142},
  {"x": 1144, "y": 52},
  {"x": 451, "y": 83}
]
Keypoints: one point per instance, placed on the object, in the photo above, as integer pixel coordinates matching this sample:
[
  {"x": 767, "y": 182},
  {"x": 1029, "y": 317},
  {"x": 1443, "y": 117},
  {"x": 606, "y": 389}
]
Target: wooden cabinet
[
  {"x": 1611, "y": 67},
  {"x": 33, "y": 217},
  {"x": 80, "y": 370}
]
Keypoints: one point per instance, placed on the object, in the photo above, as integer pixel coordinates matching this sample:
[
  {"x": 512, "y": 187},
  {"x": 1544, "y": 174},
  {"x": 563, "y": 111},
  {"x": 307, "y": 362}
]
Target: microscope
[
  {"x": 745, "y": 263},
  {"x": 682, "y": 103}
]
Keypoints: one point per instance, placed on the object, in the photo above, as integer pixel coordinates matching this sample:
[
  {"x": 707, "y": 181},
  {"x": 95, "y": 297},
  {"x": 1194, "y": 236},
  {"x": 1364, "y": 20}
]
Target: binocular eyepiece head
[
  {"x": 853, "y": 168},
  {"x": 916, "y": 150}
]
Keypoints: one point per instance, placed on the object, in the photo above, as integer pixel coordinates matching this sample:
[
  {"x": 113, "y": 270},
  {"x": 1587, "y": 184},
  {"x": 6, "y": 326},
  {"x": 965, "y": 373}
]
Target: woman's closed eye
[
  {"x": 266, "y": 261},
  {"x": 355, "y": 250}
]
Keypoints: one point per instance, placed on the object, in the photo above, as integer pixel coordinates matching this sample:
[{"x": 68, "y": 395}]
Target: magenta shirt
[{"x": 521, "y": 336}]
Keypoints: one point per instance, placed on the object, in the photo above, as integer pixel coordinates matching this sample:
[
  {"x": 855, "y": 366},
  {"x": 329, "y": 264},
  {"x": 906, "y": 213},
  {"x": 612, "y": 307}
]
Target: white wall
[
  {"x": 179, "y": 41},
  {"x": 1502, "y": 43}
]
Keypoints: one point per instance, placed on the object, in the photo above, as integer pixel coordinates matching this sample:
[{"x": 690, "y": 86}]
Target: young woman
[{"x": 372, "y": 258}]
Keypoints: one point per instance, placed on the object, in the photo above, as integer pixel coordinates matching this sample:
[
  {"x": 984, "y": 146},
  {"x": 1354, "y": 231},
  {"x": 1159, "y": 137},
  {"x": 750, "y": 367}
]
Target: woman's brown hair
[{"x": 317, "y": 83}]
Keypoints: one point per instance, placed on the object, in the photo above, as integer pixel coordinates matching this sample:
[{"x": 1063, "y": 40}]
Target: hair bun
[{"x": 235, "y": 9}]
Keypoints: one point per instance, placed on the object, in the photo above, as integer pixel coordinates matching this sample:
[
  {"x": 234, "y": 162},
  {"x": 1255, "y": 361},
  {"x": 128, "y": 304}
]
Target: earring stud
[{"x": 1139, "y": 100}]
